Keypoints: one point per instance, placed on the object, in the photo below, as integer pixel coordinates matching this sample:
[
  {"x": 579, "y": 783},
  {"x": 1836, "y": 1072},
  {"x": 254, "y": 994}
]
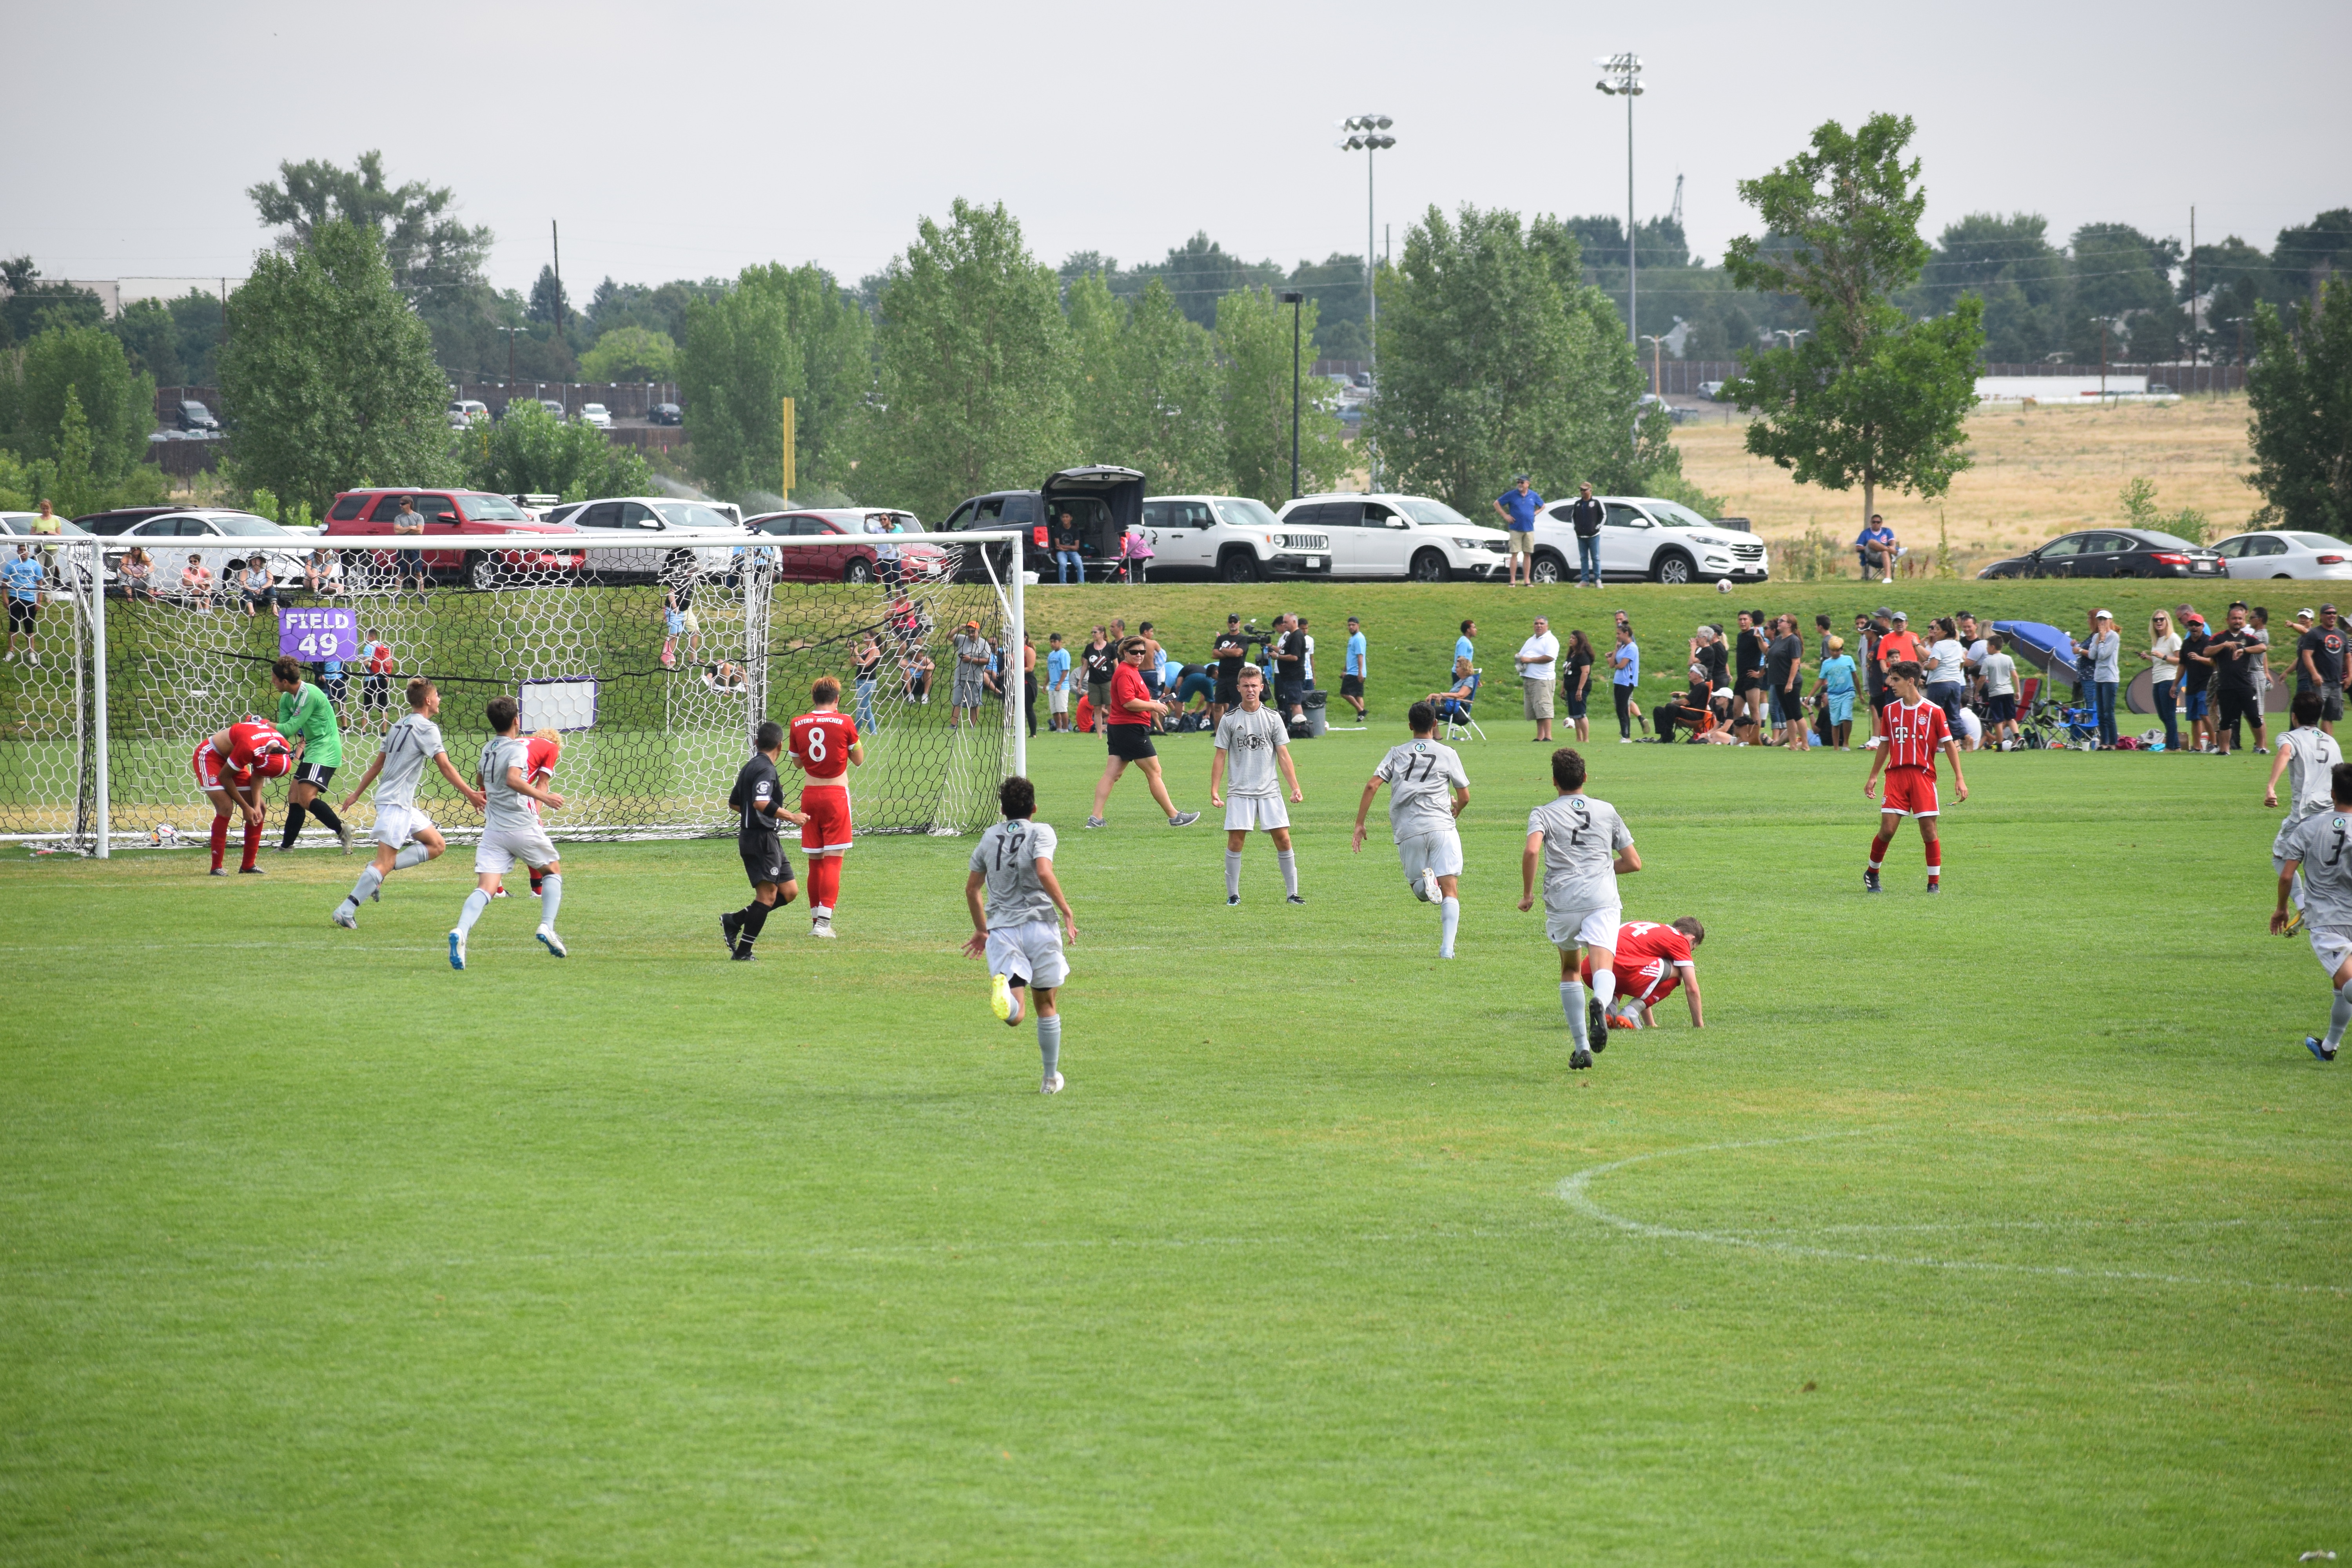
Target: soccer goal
[{"x": 654, "y": 664}]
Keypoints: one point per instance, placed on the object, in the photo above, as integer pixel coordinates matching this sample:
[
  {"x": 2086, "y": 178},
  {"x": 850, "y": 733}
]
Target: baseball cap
[
  {"x": 1881, "y": 610},
  {"x": 2101, "y": 615},
  {"x": 1899, "y": 614},
  {"x": 1231, "y": 619},
  {"x": 972, "y": 626},
  {"x": 1518, "y": 478},
  {"x": 2326, "y": 609}
]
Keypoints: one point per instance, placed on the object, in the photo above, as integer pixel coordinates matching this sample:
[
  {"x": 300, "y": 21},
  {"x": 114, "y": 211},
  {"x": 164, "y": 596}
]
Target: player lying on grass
[
  {"x": 405, "y": 835},
  {"x": 1911, "y": 732},
  {"x": 2317, "y": 846},
  {"x": 824, "y": 747},
  {"x": 229, "y": 769},
  {"x": 1421, "y": 820},
  {"x": 1015, "y": 930},
  {"x": 511, "y": 831},
  {"x": 1258, "y": 743},
  {"x": 1652, "y": 960},
  {"x": 1582, "y": 845},
  {"x": 758, "y": 800}
]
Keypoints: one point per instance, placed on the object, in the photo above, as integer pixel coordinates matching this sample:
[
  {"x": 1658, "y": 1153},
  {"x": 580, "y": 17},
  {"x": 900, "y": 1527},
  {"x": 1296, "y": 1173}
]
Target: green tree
[
  {"x": 69, "y": 475},
  {"x": 1873, "y": 397},
  {"x": 2010, "y": 264},
  {"x": 84, "y": 365},
  {"x": 2300, "y": 390},
  {"x": 28, "y": 306},
  {"x": 424, "y": 245},
  {"x": 780, "y": 332},
  {"x": 529, "y": 451},
  {"x": 1148, "y": 386},
  {"x": 1254, "y": 331},
  {"x": 973, "y": 354},
  {"x": 1495, "y": 360},
  {"x": 630, "y": 353},
  {"x": 330, "y": 378},
  {"x": 2123, "y": 278}
]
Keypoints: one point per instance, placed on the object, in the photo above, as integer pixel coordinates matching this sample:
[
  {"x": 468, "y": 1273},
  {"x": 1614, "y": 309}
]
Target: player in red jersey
[
  {"x": 825, "y": 746},
  {"x": 229, "y": 769},
  {"x": 1912, "y": 732},
  {"x": 1652, "y": 960}
]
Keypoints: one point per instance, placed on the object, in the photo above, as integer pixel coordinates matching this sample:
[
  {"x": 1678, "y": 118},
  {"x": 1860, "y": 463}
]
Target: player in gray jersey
[
  {"x": 511, "y": 831},
  {"x": 405, "y": 835},
  {"x": 1427, "y": 791},
  {"x": 2319, "y": 847},
  {"x": 1251, "y": 763},
  {"x": 2307, "y": 754},
  {"x": 1582, "y": 845},
  {"x": 1013, "y": 927}
]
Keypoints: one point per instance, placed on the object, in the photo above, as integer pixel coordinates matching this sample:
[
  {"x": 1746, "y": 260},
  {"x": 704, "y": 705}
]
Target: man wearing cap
[
  {"x": 2101, "y": 661},
  {"x": 1876, "y": 548},
  {"x": 1896, "y": 645},
  {"x": 2319, "y": 664},
  {"x": 971, "y": 656},
  {"x": 1518, "y": 506},
  {"x": 1586, "y": 515}
]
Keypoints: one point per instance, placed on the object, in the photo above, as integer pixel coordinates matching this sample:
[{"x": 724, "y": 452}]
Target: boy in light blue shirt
[
  {"x": 1836, "y": 686},
  {"x": 1351, "y": 673},
  {"x": 1057, "y": 684}
]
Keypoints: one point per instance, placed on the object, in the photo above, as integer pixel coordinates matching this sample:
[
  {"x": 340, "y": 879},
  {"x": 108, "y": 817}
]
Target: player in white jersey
[
  {"x": 2319, "y": 847},
  {"x": 1419, "y": 775},
  {"x": 405, "y": 835},
  {"x": 1013, "y": 928},
  {"x": 2307, "y": 754},
  {"x": 1253, "y": 746},
  {"x": 1583, "y": 845},
  {"x": 511, "y": 831}
]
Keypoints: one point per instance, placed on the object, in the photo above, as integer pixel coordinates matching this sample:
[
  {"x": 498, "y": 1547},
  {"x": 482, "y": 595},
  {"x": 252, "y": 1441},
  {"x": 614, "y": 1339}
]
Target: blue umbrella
[{"x": 2045, "y": 647}]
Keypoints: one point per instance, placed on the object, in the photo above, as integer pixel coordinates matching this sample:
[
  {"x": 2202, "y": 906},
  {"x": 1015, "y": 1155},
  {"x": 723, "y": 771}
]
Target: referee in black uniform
[{"x": 758, "y": 800}]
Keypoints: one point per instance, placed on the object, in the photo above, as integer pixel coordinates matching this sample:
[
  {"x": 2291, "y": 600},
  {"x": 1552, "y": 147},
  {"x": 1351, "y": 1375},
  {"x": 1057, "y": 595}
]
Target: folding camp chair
[{"x": 1455, "y": 712}]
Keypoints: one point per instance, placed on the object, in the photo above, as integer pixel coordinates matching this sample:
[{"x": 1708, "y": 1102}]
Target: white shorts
[
  {"x": 1243, "y": 812},
  {"x": 1030, "y": 953},
  {"x": 1583, "y": 928},
  {"x": 2331, "y": 946},
  {"x": 1438, "y": 852},
  {"x": 396, "y": 825},
  {"x": 502, "y": 847},
  {"x": 1058, "y": 701}
]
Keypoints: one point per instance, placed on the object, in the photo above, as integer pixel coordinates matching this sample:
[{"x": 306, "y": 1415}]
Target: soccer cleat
[
  {"x": 347, "y": 917},
  {"x": 1185, "y": 819},
  {"x": 2294, "y": 923},
  {"x": 1232, "y": 899},
  {"x": 457, "y": 950},
  {"x": 552, "y": 942},
  {"x": 217, "y": 871},
  {"x": 251, "y": 871},
  {"x": 1004, "y": 1001},
  {"x": 822, "y": 927},
  {"x": 1096, "y": 822},
  {"x": 1052, "y": 1084},
  {"x": 2318, "y": 1048},
  {"x": 742, "y": 955},
  {"x": 1430, "y": 892},
  {"x": 729, "y": 924},
  {"x": 1580, "y": 1059},
  {"x": 344, "y": 836},
  {"x": 1870, "y": 881},
  {"x": 1596, "y": 1022},
  {"x": 1934, "y": 884},
  {"x": 502, "y": 893},
  {"x": 1292, "y": 898}
]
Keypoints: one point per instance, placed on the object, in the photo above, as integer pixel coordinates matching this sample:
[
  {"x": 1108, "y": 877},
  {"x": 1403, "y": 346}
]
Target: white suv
[
  {"x": 1388, "y": 535},
  {"x": 1234, "y": 538},
  {"x": 1645, "y": 538}
]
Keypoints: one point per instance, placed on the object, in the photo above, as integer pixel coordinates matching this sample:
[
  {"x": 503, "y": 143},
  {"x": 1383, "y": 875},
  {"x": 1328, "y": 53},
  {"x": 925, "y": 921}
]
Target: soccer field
[{"x": 2008, "y": 1227}]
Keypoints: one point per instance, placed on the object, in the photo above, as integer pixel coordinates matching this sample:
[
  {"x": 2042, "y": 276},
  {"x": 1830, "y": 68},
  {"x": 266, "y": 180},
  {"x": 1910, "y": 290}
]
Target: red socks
[
  {"x": 252, "y": 844},
  {"x": 1935, "y": 860},
  {"x": 1878, "y": 852},
  {"x": 220, "y": 841},
  {"x": 825, "y": 880}
]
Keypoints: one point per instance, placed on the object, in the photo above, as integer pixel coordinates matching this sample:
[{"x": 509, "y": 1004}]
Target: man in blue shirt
[
  {"x": 1057, "y": 684},
  {"x": 1518, "y": 506},
  {"x": 1351, "y": 673},
  {"x": 1465, "y": 655},
  {"x": 1624, "y": 673},
  {"x": 22, "y": 579},
  {"x": 1876, "y": 548}
]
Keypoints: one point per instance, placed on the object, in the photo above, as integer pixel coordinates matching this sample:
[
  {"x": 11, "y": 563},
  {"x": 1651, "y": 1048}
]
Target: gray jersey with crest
[
  {"x": 1582, "y": 840},
  {"x": 1249, "y": 741},
  {"x": 505, "y": 807},
  {"x": 1421, "y": 776},
  {"x": 407, "y": 747},
  {"x": 1007, "y": 856},
  {"x": 2319, "y": 841},
  {"x": 2311, "y": 758}
]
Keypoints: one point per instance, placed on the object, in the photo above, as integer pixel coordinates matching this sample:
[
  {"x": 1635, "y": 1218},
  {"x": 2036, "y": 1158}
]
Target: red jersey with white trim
[
  {"x": 1648, "y": 954},
  {"x": 1914, "y": 733},
  {"x": 251, "y": 739},
  {"x": 821, "y": 743},
  {"x": 540, "y": 757}
]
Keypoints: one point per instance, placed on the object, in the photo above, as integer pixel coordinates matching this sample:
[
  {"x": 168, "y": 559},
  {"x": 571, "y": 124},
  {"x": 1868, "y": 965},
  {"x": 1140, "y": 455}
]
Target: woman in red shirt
[{"x": 1127, "y": 725}]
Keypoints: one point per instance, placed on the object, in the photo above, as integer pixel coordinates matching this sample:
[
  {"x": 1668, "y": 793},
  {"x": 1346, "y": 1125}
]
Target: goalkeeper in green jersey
[{"x": 306, "y": 719}]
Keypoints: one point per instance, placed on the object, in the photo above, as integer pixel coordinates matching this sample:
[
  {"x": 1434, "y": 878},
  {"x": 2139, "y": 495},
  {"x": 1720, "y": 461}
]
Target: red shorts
[
  {"x": 212, "y": 771},
  {"x": 1911, "y": 791},
  {"x": 826, "y": 831}
]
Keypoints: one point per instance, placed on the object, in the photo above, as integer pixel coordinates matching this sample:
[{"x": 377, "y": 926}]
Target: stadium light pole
[
  {"x": 1368, "y": 134},
  {"x": 1296, "y": 299},
  {"x": 1657, "y": 363},
  {"x": 1792, "y": 336},
  {"x": 1621, "y": 78}
]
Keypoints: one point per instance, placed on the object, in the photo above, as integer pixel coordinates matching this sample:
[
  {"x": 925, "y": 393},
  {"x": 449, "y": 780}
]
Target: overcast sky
[{"x": 692, "y": 138}]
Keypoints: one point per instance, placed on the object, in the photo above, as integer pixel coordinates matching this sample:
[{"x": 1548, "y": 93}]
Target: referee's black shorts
[{"x": 764, "y": 860}]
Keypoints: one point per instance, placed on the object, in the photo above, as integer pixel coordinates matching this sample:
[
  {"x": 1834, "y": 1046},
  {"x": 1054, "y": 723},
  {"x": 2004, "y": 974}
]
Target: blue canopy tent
[{"x": 2043, "y": 645}]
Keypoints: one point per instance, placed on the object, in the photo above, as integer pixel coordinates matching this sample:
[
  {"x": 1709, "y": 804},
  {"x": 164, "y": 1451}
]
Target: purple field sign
[{"x": 317, "y": 634}]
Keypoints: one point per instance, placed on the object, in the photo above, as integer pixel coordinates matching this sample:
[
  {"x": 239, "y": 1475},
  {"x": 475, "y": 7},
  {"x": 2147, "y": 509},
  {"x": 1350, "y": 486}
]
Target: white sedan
[
  {"x": 1645, "y": 538},
  {"x": 1388, "y": 535},
  {"x": 673, "y": 533},
  {"x": 210, "y": 533},
  {"x": 2282, "y": 553},
  {"x": 597, "y": 414}
]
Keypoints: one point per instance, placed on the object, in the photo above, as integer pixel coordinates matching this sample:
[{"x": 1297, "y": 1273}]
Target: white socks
[
  {"x": 1604, "y": 986},
  {"x": 476, "y": 902},
  {"x": 1233, "y": 873},
  {"x": 1288, "y": 860},
  {"x": 1049, "y": 1042},
  {"x": 1571, "y": 1002},
  {"x": 411, "y": 855},
  {"x": 2337, "y": 1017},
  {"x": 551, "y": 898},
  {"x": 1449, "y": 917},
  {"x": 370, "y": 880}
]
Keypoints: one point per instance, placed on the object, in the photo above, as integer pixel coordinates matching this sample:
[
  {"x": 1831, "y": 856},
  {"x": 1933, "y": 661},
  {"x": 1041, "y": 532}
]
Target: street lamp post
[
  {"x": 1621, "y": 78},
  {"x": 1792, "y": 336},
  {"x": 1296, "y": 300},
  {"x": 1657, "y": 365},
  {"x": 1370, "y": 132}
]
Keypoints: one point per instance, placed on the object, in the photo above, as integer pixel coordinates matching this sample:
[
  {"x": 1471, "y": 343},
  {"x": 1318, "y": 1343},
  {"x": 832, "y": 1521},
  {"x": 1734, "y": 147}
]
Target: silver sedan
[{"x": 2282, "y": 553}]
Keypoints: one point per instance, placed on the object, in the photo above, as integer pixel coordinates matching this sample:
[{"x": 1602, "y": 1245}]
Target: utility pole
[
  {"x": 1296, "y": 300},
  {"x": 556, "y": 240},
  {"x": 2196, "y": 311},
  {"x": 1621, "y": 78}
]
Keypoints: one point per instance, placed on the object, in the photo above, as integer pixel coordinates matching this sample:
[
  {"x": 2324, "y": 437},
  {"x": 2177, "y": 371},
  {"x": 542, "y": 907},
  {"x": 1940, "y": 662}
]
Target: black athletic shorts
[
  {"x": 22, "y": 614},
  {"x": 1130, "y": 743},
  {"x": 376, "y": 691},
  {"x": 1229, "y": 694},
  {"x": 1351, "y": 685},
  {"x": 317, "y": 774},
  {"x": 764, "y": 860},
  {"x": 2239, "y": 704}
]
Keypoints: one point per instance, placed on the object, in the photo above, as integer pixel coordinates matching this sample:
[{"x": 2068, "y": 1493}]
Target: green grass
[{"x": 2009, "y": 1227}]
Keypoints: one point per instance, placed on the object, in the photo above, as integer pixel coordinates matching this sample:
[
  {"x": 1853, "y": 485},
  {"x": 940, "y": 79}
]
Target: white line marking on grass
[{"x": 1576, "y": 1193}]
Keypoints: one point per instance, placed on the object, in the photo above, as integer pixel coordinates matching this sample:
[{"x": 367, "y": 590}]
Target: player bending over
[
  {"x": 1257, "y": 741},
  {"x": 1910, "y": 733},
  {"x": 1421, "y": 820},
  {"x": 1652, "y": 960},
  {"x": 2317, "y": 846},
  {"x": 511, "y": 831},
  {"x": 758, "y": 800},
  {"x": 405, "y": 835},
  {"x": 825, "y": 746},
  {"x": 306, "y": 719},
  {"x": 230, "y": 768},
  {"x": 1583, "y": 845},
  {"x": 1015, "y": 930}
]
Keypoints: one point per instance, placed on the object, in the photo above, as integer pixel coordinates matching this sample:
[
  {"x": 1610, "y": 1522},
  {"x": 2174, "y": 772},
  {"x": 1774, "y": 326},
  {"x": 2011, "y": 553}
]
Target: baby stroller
[{"x": 2054, "y": 725}]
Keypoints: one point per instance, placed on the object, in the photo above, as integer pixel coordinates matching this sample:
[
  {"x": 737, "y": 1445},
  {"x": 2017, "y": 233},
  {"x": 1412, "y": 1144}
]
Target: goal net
[{"x": 654, "y": 664}]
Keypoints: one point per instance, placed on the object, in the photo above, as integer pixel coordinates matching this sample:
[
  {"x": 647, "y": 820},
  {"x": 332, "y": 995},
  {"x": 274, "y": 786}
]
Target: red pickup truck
[{"x": 460, "y": 526}]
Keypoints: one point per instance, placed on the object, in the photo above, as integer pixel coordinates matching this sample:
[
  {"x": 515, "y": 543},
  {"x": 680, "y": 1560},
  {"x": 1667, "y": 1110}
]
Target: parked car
[
  {"x": 195, "y": 416},
  {"x": 676, "y": 532},
  {"x": 1711, "y": 390},
  {"x": 1652, "y": 400},
  {"x": 1646, "y": 539},
  {"x": 597, "y": 414},
  {"x": 1390, "y": 535},
  {"x": 1104, "y": 501},
  {"x": 665, "y": 414},
  {"x": 471, "y": 410},
  {"x": 553, "y": 407},
  {"x": 460, "y": 529},
  {"x": 215, "y": 535},
  {"x": 1236, "y": 539},
  {"x": 106, "y": 524},
  {"x": 2279, "y": 554},
  {"x": 874, "y": 544},
  {"x": 2112, "y": 553}
]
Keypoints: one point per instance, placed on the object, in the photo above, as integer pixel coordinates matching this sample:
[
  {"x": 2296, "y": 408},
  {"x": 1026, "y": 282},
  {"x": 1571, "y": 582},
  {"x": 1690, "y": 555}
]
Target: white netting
[{"x": 653, "y": 666}]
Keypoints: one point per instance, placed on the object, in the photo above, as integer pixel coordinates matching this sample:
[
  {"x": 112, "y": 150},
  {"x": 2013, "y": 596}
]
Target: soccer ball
[
  {"x": 1723, "y": 585},
  {"x": 164, "y": 835}
]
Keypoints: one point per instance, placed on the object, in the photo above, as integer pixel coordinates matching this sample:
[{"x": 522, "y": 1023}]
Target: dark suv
[
  {"x": 195, "y": 416},
  {"x": 665, "y": 414},
  {"x": 1103, "y": 501}
]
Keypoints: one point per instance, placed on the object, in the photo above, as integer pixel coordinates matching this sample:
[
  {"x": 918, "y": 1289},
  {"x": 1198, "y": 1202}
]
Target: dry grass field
[{"x": 2039, "y": 472}]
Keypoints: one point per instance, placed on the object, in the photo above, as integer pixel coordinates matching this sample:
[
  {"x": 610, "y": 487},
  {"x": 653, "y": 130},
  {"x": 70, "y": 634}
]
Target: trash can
[{"x": 1311, "y": 710}]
